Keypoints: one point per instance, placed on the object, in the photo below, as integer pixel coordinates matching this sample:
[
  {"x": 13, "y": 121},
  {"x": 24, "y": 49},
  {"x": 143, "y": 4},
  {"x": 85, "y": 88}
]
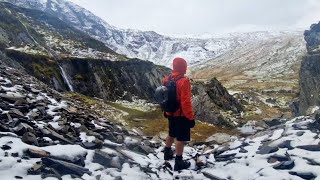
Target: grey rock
[
  {"x": 211, "y": 176},
  {"x": 11, "y": 97},
  {"x": 5, "y": 147},
  {"x": 300, "y": 133},
  {"x": 55, "y": 136},
  {"x": 30, "y": 138},
  {"x": 279, "y": 157},
  {"x": 310, "y": 147},
  {"x": 102, "y": 158},
  {"x": 219, "y": 138},
  {"x": 225, "y": 157},
  {"x": 64, "y": 168},
  {"x": 213, "y": 96},
  {"x": 284, "y": 165},
  {"x": 286, "y": 144},
  {"x": 265, "y": 149},
  {"x": 303, "y": 175}
]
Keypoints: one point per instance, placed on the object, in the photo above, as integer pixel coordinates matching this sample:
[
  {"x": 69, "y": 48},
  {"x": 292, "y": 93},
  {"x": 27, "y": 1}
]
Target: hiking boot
[
  {"x": 168, "y": 154},
  {"x": 181, "y": 164}
]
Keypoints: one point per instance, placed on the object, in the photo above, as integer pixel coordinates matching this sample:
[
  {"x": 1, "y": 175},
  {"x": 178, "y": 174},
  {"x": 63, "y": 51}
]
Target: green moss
[
  {"x": 79, "y": 77},
  {"x": 40, "y": 70}
]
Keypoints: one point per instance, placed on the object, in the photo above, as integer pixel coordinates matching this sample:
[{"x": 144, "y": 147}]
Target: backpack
[{"x": 166, "y": 95}]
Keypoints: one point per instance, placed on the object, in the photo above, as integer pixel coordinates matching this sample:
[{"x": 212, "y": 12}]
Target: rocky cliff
[
  {"x": 310, "y": 71},
  {"x": 210, "y": 100},
  {"x": 109, "y": 80}
]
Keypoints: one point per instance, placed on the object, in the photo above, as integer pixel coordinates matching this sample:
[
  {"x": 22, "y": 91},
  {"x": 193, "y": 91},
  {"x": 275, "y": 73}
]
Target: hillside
[{"x": 36, "y": 32}]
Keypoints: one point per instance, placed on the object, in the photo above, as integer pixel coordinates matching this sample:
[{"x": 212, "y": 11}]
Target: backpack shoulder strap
[{"x": 179, "y": 77}]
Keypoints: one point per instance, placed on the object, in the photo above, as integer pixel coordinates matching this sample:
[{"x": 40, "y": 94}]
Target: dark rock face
[
  {"x": 109, "y": 80},
  {"x": 310, "y": 71},
  {"x": 209, "y": 98},
  {"x": 114, "y": 80}
]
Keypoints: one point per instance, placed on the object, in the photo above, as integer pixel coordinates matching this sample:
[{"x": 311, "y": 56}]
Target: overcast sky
[{"x": 205, "y": 16}]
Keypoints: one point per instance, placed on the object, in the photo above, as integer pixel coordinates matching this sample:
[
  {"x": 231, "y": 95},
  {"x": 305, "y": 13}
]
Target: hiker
[{"x": 181, "y": 120}]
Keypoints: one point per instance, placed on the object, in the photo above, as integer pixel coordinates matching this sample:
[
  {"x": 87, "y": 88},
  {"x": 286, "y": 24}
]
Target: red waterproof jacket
[{"x": 183, "y": 96}]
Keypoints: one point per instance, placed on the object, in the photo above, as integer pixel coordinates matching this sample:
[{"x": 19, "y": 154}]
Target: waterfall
[{"x": 65, "y": 78}]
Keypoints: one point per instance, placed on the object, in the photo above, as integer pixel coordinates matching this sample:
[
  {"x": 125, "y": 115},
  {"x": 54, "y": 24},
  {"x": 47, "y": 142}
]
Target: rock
[
  {"x": 310, "y": 72},
  {"x": 284, "y": 165},
  {"x": 18, "y": 177},
  {"x": 12, "y": 97},
  {"x": 209, "y": 98},
  {"x": 225, "y": 157},
  {"x": 21, "y": 102},
  {"x": 64, "y": 168},
  {"x": 242, "y": 150},
  {"x": 286, "y": 144},
  {"x": 55, "y": 136},
  {"x": 219, "y": 138},
  {"x": 310, "y": 147},
  {"x": 15, "y": 154},
  {"x": 90, "y": 145},
  {"x": 141, "y": 149},
  {"x": 22, "y": 128},
  {"x": 211, "y": 176},
  {"x": 15, "y": 113},
  {"x": 37, "y": 153},
  {"x": 312, "y": 162},
  {"x": 102, "y": 158},
  {"x": 279, "y": 158},
  {"x": 273, "y": 122},
  {"x": 5, "y": 147},
  {"x": 300, "y": 133},
  {"x": 265, "y": 149},
  {"x": 30, "y": 138},
  {"x": 303, "y": 175},
  {"x": 35, "y": 169}
]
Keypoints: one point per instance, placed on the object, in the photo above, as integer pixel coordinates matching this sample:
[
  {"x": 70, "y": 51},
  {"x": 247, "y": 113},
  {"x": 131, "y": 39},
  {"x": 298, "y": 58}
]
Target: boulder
[{"x": 30, "y": 138}]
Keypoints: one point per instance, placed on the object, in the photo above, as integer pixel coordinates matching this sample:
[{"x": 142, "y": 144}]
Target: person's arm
[{"x": 186, "y": 104}]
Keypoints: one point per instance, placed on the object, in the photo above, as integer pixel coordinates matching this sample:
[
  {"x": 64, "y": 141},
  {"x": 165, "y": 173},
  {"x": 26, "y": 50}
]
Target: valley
[{"x": 77, "y": 99}]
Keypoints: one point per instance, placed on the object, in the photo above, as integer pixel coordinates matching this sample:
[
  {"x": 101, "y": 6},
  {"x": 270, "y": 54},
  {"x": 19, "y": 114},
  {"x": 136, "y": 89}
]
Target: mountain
[
  {"x": 36, "y": 32},
  {"x": 274, "y": 58},
  {"x": 68, "y": 59},
  {"x": 147, "y": 45}
]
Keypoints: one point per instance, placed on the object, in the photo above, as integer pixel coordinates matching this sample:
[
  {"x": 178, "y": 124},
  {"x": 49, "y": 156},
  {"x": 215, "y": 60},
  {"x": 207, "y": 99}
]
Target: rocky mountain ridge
[
  {"x": 148, "y": 45},
  {"x": 309, "y": 73},
  {"x": 36, "y": 32}
]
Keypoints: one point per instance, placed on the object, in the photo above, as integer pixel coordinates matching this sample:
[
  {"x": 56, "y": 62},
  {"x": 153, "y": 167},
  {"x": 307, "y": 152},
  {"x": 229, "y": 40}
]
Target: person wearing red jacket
[{"x": 182, "y": 120}]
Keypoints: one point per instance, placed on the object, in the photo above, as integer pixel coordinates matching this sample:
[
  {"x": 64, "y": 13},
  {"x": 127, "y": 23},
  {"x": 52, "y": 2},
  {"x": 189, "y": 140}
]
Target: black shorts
[{"x": 179, "y": 128}]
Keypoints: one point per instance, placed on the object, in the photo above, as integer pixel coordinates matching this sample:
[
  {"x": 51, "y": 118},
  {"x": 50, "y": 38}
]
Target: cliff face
[
  {"x": 114, "y": 80},
  {"x": 109, "y": 80},
  {"x": 210, "y": 100},
  {"x": 310, "y": 71}
]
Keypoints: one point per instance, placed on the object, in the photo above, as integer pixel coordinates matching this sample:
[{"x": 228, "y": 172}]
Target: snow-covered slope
[
  {"x": 147, "y": 45},
  {"x": 275, "y": 58},
  {"x": 36, "y": 32}
]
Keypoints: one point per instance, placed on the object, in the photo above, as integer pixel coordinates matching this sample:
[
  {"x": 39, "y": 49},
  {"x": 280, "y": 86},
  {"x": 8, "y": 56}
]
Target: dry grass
[{"x": 151, "y": 123}]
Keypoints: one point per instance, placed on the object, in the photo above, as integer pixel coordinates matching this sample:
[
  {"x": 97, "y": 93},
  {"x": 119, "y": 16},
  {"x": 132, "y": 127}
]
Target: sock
[
  {"x": 178, "y": 158},
  {"x": 167, "y": 149}
]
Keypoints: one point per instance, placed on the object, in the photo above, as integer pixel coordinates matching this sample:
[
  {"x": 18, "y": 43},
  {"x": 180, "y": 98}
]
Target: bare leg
[
  {"x": 169, "y": 141},
  {"x": 179, "y": 147}
]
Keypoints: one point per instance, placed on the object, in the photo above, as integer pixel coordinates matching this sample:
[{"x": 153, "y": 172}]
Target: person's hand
[{"x": 192, "y": 123}]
